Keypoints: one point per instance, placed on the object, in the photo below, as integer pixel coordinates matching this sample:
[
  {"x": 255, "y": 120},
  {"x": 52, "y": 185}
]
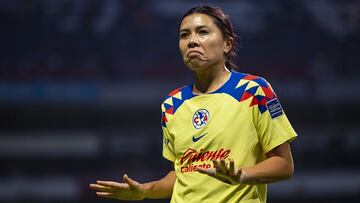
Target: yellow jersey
[{"x": 242, "y": 120}]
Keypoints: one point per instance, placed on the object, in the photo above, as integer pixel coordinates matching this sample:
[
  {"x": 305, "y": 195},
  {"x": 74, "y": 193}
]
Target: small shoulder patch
[{"x": 274, "y": 108}]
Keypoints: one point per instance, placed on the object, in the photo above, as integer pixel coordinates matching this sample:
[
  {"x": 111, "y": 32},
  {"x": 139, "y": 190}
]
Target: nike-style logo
[{"x": 195, "y": 139}]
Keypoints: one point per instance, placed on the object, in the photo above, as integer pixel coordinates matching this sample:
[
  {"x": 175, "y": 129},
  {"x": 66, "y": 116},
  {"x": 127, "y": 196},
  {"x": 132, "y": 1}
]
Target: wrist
[
  {"x": 146, "y": 188},
  {"x": 243, "y": 177},
  {"x": 150, "y": 190}
]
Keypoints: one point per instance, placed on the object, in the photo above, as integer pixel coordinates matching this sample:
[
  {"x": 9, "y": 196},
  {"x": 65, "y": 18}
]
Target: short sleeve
[
  {"x": 272, "y": 124},
  {"x": 168, "y": 140}
]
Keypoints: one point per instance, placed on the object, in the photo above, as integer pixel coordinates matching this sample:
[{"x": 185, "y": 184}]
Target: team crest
[{"x": 200, "y": 118}]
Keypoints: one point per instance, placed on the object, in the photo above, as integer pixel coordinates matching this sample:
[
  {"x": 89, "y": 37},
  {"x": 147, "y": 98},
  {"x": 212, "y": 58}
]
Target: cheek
[
  {"x": 182, "y": 47},
  {"x": 215, "y": 47}
]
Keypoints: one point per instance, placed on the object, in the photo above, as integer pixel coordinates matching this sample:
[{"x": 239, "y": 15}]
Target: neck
[{"x": 210, "y": 79}]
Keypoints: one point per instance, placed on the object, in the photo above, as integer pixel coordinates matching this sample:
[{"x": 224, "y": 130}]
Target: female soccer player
[{"x": 226, "y": 133}]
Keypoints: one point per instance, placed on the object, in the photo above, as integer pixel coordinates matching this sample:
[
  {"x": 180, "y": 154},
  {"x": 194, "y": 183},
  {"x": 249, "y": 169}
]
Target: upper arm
[
  {"x": 283, "y": 151},
  {"x": 270, "y": 120}
]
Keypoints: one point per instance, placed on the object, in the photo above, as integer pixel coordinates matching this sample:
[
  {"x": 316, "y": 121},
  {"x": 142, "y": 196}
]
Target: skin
[
  {"x": 278, "y": 166},
  {"x": 203, "y": 49},
  {"x": 132, "y": 190}
]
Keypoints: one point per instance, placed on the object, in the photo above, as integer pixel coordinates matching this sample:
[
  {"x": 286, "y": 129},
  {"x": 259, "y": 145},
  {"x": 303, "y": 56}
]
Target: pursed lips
[{"x": 193, "y": 51}]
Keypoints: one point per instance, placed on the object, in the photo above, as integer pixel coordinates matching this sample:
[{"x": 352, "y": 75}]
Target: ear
[{"x": 228, "y": 44}]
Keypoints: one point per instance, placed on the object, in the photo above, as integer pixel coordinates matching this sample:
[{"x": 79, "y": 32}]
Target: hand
[
  {"x": 129, "y": 190},
  {"x": 229, "y": 175}
]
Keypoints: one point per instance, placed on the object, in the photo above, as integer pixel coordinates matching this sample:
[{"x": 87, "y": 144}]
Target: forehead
[{"x": 196, "y": 20}]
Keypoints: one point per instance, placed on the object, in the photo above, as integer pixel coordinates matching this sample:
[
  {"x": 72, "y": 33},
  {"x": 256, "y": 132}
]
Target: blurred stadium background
[{"x": 81, "y": 82}]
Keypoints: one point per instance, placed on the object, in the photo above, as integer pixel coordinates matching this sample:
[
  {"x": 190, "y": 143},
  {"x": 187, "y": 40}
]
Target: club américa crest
[{"x": 200, "y": 118}]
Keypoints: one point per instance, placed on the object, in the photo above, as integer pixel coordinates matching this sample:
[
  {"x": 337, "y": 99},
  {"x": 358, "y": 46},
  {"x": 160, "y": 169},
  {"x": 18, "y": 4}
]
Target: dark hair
[{"x": 223, "y": 22}]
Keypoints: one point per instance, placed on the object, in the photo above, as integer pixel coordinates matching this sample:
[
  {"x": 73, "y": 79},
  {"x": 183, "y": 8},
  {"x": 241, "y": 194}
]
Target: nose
[{"x": 193, "y": 41}]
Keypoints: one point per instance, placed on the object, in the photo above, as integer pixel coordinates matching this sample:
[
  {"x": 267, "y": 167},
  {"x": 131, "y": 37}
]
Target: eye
[
  {"x": 203, "y": 32},
  {"x": 183, "y": 35}
]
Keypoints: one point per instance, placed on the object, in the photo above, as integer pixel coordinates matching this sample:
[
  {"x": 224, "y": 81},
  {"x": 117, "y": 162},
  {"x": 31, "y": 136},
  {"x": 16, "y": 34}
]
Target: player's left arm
[{"x": 278, "y": 166}]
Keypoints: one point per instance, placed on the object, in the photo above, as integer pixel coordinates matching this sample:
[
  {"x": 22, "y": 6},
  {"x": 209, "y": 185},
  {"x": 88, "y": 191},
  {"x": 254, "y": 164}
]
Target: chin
[{"x": 196, "y": 65}]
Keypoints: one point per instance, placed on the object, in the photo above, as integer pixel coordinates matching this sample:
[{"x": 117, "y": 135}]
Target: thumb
[
  {"x": 129, "y": 181},
  {"x": 202, "y": 170}
]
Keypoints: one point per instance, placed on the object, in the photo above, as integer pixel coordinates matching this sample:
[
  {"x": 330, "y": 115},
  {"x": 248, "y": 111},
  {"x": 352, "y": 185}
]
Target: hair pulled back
[{"x": 223, "y": 22}]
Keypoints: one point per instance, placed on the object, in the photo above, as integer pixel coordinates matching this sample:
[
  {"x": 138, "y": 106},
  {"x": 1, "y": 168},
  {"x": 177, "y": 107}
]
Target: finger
[
  {"x": 209, "y": 171},
  {"x": 131, "y": 182},
  {"x": 216, "y": 165},
  {"x": 113, "y": 184},
  {"x": 212, "y": 172},
  {"x": 101, "y": 188},
  {"x": 202, "y": 170},
  {"x": 223, "y": 167},
  {"x": 105, "y": 194},
  {"x": 238, "y": 174},
  {"x": 223, "y": 179},
  {"x": 232, "y": 167}
]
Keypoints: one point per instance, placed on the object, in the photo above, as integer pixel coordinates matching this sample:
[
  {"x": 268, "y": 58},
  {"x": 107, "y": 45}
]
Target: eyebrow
[{"x": 197, "y": 28}]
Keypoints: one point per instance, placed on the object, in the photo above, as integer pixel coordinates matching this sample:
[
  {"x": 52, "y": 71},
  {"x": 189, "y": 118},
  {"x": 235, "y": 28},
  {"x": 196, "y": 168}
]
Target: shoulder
[
  {"x": 175, "y": 98},
  {"x": 246, "y": 77},
  {"x": 173, "y": 101},
  {"x": 248, "y": 82},
  {"x": 253, "y": 84},
  {"x": 175, "y": 93},
  {"x": 250, "y": 89}
]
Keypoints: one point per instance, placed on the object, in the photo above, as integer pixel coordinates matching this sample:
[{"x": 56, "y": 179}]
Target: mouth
[{"x": 193, "y": 52}]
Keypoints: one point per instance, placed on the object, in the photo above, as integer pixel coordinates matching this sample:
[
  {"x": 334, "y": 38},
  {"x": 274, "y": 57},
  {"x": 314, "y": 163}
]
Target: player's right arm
[
  {"x": 133, "y": 190},
  {"x": 162, "y": 188}
]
